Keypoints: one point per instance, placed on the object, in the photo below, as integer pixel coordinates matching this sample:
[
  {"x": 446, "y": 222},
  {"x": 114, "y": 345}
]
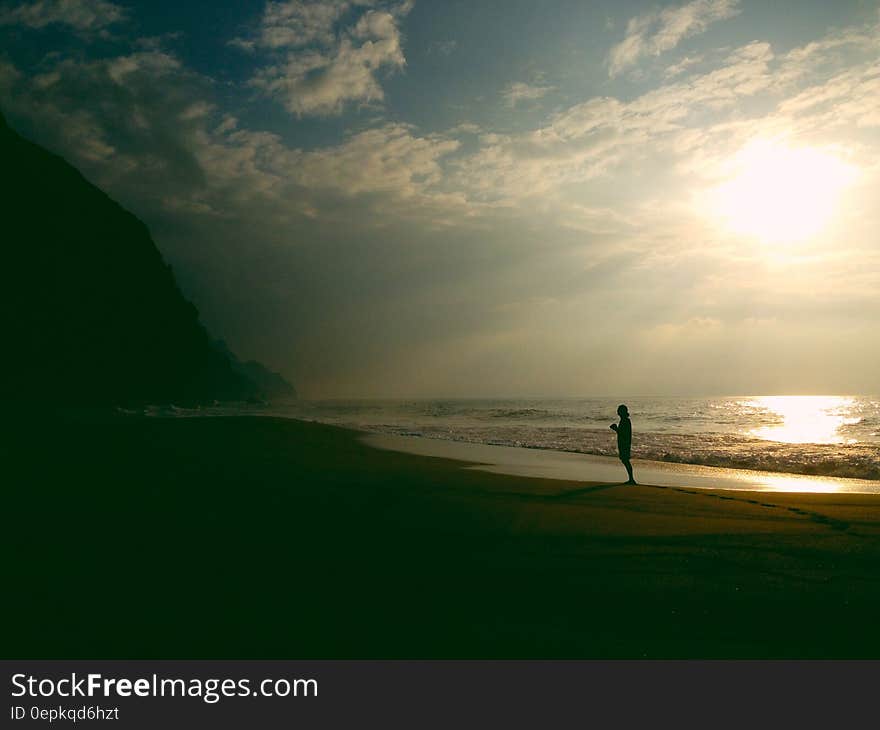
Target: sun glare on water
[
  {"x": 778, "y": 193},
  {"x": 805, "y": 418}
]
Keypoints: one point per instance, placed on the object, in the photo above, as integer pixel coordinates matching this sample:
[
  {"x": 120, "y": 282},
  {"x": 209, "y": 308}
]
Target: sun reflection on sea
[
  {"x": 806, "y": 419},
  {"x": 796, "y": 483}
]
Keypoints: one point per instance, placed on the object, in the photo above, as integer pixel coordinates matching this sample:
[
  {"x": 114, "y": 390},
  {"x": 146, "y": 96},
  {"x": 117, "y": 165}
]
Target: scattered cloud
[
  {"x": 849, "y": 97},
  {"x": 152, "y": 131},
  {"x": 295, "y": 24},
  {"x": 157, "y": 42},
  {"x": 444, "y": 48},
  {"x": 676, "y": 69},
  {"x": 589, "y": 139},
  {"x": 466, "y": 128},
  {"x": 389, "y": 158},
  {"x": 152, "y": 117},
  {"x": 82, "y": 15},
  {"x": 519, "y": 91},
  {"x": 475, "y": 243},
  {"x": 9, "y": 74},
  {"x": 658, "y": 31},
  {"x": 326, "y": 54}
]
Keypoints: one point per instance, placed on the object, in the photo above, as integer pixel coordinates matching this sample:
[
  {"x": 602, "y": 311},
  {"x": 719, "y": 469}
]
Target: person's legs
[{"x": 629, "y": 468}]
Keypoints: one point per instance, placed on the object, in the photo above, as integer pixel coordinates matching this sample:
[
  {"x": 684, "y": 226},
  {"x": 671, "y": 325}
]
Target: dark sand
[{"x": 259, "y": 538}]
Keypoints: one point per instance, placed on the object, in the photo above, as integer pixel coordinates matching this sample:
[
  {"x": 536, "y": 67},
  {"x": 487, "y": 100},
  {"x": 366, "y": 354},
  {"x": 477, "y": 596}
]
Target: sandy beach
[{"x": 261, "y": 537}]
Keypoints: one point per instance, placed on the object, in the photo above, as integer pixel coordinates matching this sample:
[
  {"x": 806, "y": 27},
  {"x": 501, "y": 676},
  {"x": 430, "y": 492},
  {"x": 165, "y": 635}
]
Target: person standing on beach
[{"x": 624, "y": 432}]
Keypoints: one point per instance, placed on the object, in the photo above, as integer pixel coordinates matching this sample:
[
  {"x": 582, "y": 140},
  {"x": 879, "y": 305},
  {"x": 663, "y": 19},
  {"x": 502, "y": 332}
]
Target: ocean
[{"x": 835, "y": 436}]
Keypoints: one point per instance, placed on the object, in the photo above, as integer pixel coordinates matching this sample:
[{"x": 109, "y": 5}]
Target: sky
[{"x": 388, "y": 198}]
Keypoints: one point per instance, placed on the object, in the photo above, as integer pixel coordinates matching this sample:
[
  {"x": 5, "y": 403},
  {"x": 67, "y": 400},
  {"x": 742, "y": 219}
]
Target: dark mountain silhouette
[
  {"x": 92, "y": 314},
  {"x": 270, "y": 384}
]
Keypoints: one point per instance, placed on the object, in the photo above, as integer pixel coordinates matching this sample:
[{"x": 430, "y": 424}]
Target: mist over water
[{"x": 816, "y": 435}]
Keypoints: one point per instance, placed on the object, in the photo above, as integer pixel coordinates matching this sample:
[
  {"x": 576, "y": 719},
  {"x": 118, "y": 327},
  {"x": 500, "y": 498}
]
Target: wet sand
[
  {"x": 261, "y": 537},
  {"x": 549, "y": 464}
]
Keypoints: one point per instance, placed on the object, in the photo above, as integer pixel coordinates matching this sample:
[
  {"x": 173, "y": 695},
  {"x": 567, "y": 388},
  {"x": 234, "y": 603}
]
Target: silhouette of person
[{"x": 624, "y": 432}]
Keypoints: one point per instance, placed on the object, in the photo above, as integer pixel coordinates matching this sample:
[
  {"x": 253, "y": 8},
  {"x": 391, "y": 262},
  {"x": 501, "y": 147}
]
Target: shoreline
[
  {"x": 856, "y": 464},
  {"x": 570, "y": 466},
  {"x": 805, "y": 436}
]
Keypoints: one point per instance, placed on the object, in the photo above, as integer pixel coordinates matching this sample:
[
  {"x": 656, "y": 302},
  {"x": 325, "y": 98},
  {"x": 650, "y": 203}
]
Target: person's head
[{"x": 622, "y": 411}]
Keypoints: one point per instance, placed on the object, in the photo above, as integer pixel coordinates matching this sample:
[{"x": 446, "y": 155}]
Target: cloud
[
  {"x": 389, "y": 158},
  {"x": 398, "y": 260},
  {"x": 848, "y": 98},
  {"x": 327, "y": 54},
  {"x": 444, "y": 48},
  {"x": 126, "y": 128},
  {"x": 519, "y": 91},
  {"x": 296, "y": 23},
  {"x": 661, "y": 30},
  {"x": 466, "y": 128},
  {"x": 589, "y": 139},
  {"x": 82, "y": 15},
  {"x": 153, "y": 133},
  {"x": 149, "y": 116},
  {"x": 9, "y": 75},
  {"x": 676, "y": 69}
]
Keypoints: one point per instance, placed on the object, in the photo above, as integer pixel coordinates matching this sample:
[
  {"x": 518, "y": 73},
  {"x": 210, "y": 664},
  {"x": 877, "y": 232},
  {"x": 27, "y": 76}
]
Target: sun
[{"x": 777, "y": 193}]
